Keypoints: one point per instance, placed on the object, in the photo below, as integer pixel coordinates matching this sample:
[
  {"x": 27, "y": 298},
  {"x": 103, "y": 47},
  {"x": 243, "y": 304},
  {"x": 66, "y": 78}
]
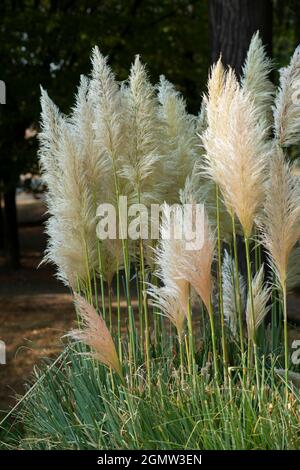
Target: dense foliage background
[{"x": 48, "y": 43}]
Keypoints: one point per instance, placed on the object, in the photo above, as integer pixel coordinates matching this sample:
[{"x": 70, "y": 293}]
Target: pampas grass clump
[{"x": 171, "y": 338}]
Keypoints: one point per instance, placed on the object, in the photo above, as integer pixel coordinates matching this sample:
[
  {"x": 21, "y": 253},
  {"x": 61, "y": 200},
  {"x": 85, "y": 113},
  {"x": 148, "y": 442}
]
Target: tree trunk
[
  {"x": 11, "y": 236},
  {"x": 232, "y": 24}
]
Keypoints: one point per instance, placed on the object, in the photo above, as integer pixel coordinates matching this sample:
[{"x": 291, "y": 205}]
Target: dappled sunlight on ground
[{"x": 36, "y": 311}]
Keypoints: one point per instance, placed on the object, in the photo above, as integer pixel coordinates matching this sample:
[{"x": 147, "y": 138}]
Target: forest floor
[{"x": 36, "y": 310}]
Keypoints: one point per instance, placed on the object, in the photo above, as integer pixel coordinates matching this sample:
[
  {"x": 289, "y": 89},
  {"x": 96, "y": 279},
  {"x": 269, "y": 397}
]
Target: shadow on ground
[{"x": 35, "y": 309}]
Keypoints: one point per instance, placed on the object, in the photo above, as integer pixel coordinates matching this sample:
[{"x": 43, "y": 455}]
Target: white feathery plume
[
  {"x": 96, "y": 335},
  {"x": 173, "y": 297},
  {"x": 109, "y": 123},
  {"x": 215, "y": 87},
  {"x": 180, "y": 135},
  {"x": 106, "y": 98},
  {"x": 280, "y": 221},
  {"x": 236, "y": 150},
  {"x": 167, "y": 302},
  {"x": 94, "y": 159},
  {"x": 229, "y": 296},
  {"x": 169, "y": 254},
  {"x": 112, "y": 259},
  {"x": 71, "y": 227},
  {"x": 287, "y": 104},
  {"x": 109, "y": 126},
  {"x": 143, "y": 166},
  {"x": 260, "y": 296},
  {"x": 71, "y": 223},
  {"x": 255, "y": 79},
  {"x": 52, "y": 122},
  {"x": 219, "y": 84},
  {"x": 196, "y": 264}
]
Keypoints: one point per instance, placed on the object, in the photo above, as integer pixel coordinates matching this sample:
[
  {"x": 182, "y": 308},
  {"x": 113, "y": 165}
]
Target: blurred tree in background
[
  {"x": 286, "y": 29},
  {"x": 48, "y": 43},
  {"x": 232, "y": 25}
]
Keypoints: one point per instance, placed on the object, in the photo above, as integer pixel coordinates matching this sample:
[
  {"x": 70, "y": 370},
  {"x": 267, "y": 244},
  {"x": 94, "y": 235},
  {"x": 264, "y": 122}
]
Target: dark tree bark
[
  {"x": 11, "y": 236},
  {"x": 232, "y": 24}
]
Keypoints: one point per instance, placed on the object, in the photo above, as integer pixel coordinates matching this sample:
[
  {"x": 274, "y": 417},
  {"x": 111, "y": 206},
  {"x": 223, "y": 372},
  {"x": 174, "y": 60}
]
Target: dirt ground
[{"x": 36, "y": 310}]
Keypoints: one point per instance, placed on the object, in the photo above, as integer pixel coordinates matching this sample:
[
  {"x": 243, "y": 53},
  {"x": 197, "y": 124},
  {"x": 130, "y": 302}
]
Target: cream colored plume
[
  {"x": 210, "y": 104},
  {"x": 236, "y": 150},
  {"x": 112, "y": 258},
  {"x": 173, "y": 297},
  {"x": 109, "y": 123},
  {"x": 215, "y": 88},
  {"x": 166, "y": 300},
  {"x": 52, "y": 122},
  {"x": 170, "y": 253},
  {"x": 181, "y": 139},
  {"x": 143, "y": 167},
  {"x": 287, "y": 104},
  {"x": 91, "y": 151},
  {"x": 255, "y": 79},
  {"x": 229, "y": 293},
  {"x": 71, "y": 226},
  {"x": 280, "y": 221},
  {"x": 221, "y": 88},
  {"x": 261, "y": 296},
  {"x": 196, "y": 264},
  {"x": 106, "y": 98},
  {"x": 96, "y": 335},
  {"x": 96, "y": 162}
]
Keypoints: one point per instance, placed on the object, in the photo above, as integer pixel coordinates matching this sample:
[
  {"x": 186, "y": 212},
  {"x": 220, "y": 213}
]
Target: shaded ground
[{"x": 35, "y": 309}]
